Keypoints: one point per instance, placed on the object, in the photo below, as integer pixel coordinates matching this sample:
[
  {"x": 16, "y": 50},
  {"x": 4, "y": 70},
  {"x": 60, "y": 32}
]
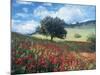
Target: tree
[{"x": 53, "y": 27}]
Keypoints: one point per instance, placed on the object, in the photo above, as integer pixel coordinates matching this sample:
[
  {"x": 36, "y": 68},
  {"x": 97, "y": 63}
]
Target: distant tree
[{"x": 53, "y": 27}]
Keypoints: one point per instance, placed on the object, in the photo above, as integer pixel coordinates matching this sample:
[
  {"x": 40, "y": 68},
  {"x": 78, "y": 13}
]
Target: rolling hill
[{"x": 91, "y": 23}]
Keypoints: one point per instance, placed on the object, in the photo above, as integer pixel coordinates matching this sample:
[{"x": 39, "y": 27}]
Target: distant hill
[
  {"x": 91, "y": 23},
  {"x": 86, "y": 24}
]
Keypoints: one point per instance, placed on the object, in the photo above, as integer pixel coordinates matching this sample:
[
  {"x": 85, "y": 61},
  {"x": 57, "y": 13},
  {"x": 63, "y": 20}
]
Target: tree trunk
[{"x": 51, "y": 38}]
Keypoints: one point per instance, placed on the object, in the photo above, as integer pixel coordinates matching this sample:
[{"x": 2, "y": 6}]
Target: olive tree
[{"x": 54, "y": 27}]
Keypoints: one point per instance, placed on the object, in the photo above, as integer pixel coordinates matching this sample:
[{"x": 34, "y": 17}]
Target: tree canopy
[{"x": 53, "y": 27}]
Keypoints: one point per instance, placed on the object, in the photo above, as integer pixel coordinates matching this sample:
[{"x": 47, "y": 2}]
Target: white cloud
[
  {"x": 47, "y": 4},
  {"x": 23, "y": 2},
  {"x": 68, "y": 13},
  {"x": 16, "y": 21},
  {"x": 41, "y": 12},
  {"x": 25, "y": 27},
  {"x": 23, "y": 15}
]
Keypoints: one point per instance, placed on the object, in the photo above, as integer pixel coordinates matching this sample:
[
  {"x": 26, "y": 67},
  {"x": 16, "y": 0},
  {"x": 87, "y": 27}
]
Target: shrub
[
  {"x": 92, "y": 39},
  {"x": 77, "y": 36}
]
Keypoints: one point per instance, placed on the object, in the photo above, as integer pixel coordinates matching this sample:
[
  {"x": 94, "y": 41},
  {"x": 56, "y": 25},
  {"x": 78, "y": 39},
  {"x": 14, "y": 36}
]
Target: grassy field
[
  {"x": 33, "y": 55},
  {"x": 84, "y": 32},
  {"x": 37, "y": 54}
]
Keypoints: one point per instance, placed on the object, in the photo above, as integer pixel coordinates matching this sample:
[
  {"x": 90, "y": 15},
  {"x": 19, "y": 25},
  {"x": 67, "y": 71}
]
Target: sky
[{"x": 26, "y": 16}]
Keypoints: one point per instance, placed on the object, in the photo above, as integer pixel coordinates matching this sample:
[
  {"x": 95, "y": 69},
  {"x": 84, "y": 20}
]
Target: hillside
[
  {"x": 91, "y": 23},
  {"x": 33, "y": 55}
]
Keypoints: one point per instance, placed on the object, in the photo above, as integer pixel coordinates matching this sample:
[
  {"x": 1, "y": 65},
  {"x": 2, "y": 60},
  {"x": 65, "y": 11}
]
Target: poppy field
[{"x": 32, "y": 55}]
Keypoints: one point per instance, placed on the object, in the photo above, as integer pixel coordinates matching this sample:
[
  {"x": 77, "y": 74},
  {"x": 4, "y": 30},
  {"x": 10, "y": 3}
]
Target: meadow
[
  {"x": 34, "y": 55},
  {"x": 84, "y": 32}
]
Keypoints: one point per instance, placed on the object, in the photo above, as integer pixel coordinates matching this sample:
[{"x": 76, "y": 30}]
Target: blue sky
[{"x": 27, "y": 15}]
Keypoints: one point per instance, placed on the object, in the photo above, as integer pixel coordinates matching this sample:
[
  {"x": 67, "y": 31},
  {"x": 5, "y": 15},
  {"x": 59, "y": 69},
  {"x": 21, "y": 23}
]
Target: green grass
[
  {"x": 83, "y": 32},
  {"x": 74, "y": 46}
]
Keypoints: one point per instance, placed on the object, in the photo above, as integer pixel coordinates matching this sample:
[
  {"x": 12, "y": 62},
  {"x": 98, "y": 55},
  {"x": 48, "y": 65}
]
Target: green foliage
[
  {"x": 92, "y": 39},
  {"x": 77, "y": 36},
  {"x": 53, "y": 27}
]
